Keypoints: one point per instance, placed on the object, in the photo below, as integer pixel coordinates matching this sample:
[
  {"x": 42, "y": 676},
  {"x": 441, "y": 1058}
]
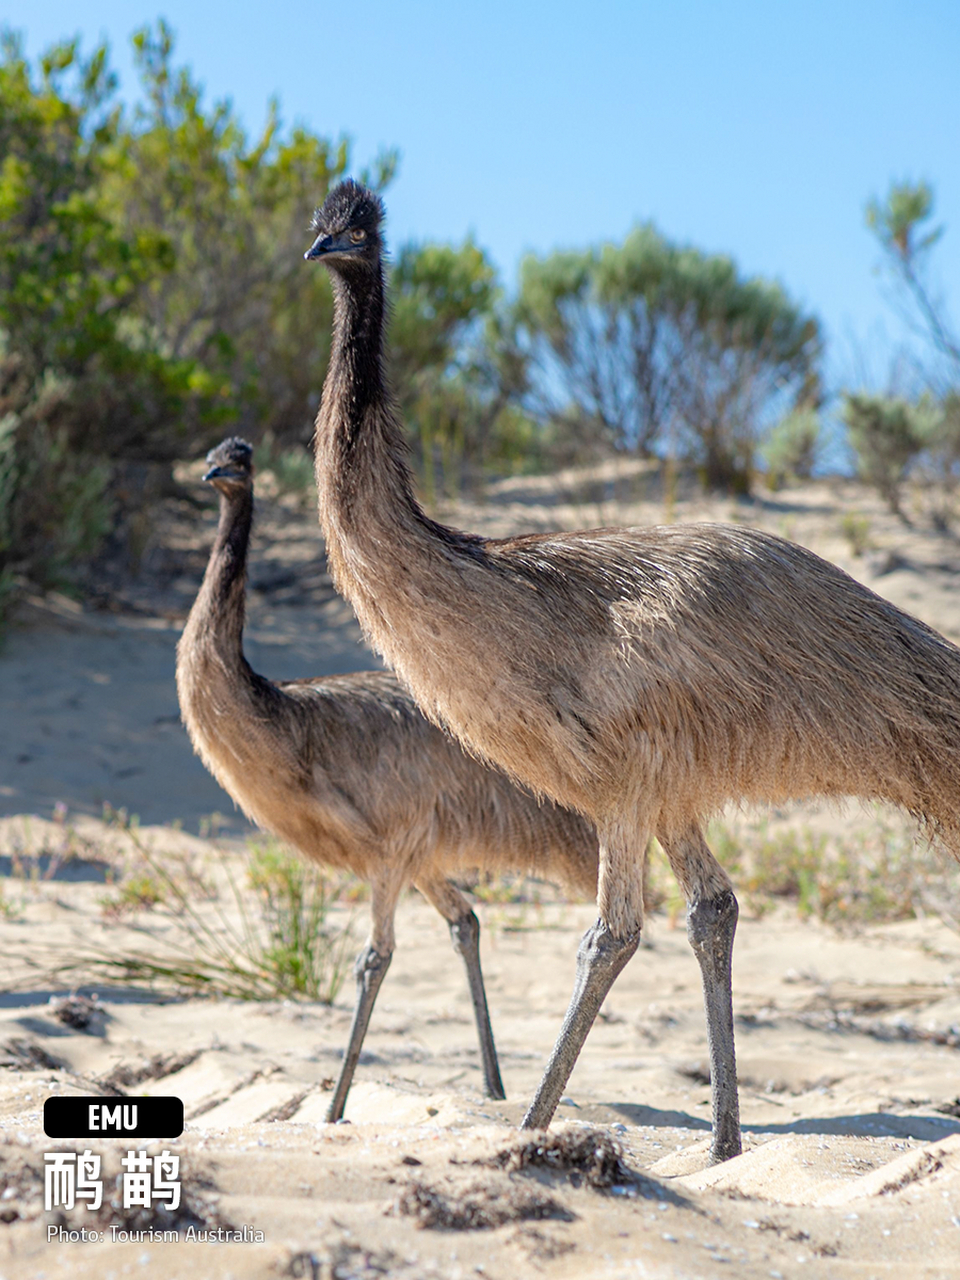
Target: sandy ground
[{"x": 848, "y": 1044}]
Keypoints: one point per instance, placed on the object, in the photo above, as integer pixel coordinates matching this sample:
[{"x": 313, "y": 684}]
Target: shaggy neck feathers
[
  {"x": 364, "y": 482},
  {"x": 357, "y": 353},
  {"x": 230, "y": 712},
  {"x": 224, "y": 583},
  {"x": 213, "y": 636}
]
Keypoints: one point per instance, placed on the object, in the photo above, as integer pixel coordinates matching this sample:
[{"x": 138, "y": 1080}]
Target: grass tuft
[
  {"x": 271, "y": 939},
  {"x": 879, "y": 873}
]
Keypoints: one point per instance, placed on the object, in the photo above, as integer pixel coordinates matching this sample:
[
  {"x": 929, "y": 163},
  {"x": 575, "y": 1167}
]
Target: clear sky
[{"x": 756, "y": 129}]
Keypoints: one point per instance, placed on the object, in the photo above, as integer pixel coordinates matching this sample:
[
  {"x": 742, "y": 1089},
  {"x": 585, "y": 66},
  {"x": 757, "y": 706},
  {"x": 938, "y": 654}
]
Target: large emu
[
  {"x": 350, "y": 773},
  {"x": 642, "y": 676}
]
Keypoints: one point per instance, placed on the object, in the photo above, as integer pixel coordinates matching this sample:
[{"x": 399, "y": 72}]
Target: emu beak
[
  {"x": 323, "y": 244},
  {"x": 213, "y": 473}
]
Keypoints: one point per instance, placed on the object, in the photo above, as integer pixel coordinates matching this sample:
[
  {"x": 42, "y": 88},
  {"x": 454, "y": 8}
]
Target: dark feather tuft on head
[
  {"x": 232, "y": 452},
  {"x": 349, "y": 205}
]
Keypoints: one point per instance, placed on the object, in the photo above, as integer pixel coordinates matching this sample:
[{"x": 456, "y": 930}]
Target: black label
[{"x": 88, "y": 1117}]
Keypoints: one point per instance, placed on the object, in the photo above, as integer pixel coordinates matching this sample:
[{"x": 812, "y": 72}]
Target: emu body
[
  {"x": 644, "y": 677},
  {"x": 351, "y": 774}
]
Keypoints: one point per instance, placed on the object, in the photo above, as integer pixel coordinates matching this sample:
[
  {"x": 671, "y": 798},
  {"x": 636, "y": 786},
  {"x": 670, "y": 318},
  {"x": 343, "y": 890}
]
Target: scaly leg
[
  {"x": 465, "y": 933},
  {"x": 604, "y": 950},
  {"x": 600, "y": 957},
  {"x": 711, "y": 924},
  {"x": 370, "y": 969}
]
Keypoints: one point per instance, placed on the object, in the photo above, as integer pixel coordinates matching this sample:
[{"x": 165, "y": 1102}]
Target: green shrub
[
  {"x": 790, "y": 450},
  {"x": 887, "y": 433},
  {"x": 856, "y": 530},
  {"x": 291, "y": 468},
  {"x": 55, "y": 503}
]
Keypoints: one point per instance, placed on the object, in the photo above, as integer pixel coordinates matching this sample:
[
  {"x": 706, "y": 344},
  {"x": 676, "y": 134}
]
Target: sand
[{"x": 847, "y": 1042}]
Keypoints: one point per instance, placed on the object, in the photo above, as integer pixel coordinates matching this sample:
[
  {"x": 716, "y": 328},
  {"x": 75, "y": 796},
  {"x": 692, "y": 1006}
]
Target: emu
[
  {"x": 643, "y": 677},
  {"x": 348, "y": 771}
]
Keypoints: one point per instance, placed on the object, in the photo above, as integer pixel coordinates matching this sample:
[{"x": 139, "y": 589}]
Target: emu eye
[{"x": 358, "y": 235}]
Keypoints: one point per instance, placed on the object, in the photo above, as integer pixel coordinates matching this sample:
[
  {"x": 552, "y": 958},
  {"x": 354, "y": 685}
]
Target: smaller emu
[{"x": 348, "y": 770}]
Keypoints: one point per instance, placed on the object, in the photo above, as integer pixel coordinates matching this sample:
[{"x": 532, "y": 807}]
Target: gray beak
[{"x": 320, "y": 246}]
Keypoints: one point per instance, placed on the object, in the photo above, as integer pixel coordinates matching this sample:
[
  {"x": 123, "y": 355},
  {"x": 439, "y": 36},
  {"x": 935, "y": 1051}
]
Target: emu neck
[
  {"x": 215, "y": 624},
  {"x": 442, "y": 607},
  {"x": 363, "y": 479},
  {"x": 357, "y": 351}
]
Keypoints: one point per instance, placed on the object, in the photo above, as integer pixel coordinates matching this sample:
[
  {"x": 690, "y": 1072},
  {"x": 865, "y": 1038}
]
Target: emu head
[
  {"x": 347, "y": 227},
  {"x": 231, "y": 465}
]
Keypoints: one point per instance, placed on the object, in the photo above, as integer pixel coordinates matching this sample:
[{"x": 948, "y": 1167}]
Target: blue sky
[{"x": 756, "y": 129}]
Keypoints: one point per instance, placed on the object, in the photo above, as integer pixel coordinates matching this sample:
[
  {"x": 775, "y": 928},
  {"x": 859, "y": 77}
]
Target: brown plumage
[
  {"x": 348, "y": 771},
  {"x": 643, "y": 676}
]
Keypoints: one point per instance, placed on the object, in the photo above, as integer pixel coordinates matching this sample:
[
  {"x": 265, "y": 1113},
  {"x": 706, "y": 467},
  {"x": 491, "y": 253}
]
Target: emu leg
[
  {"x": 711, "y": 924},
  {"x": 600, "y": 958},
  {"x": 465, "y": 933},
  {"x": 370, "y": 969}
]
